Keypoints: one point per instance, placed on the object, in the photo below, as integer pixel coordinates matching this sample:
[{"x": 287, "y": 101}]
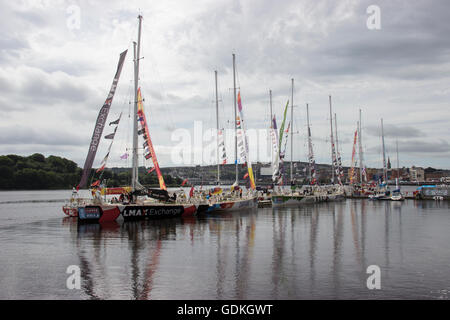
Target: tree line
[{"x": 37, "y": 172}]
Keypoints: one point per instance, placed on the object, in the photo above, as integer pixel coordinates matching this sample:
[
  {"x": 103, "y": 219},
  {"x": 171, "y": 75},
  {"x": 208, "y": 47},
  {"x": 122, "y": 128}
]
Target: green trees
[{"x": 38, "y": 172}]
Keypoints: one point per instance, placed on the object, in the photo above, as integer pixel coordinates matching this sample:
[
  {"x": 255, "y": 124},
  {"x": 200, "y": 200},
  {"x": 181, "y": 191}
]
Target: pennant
[
  {"x": 110, "y": 136},
  {"x": 101, "y": 168},
  {"x": 246, "y": 176},
  {"x": 148, "y": 156},
  {"x": 117, "y": 121},
  {"x": 96, "y": 183},
  {"x": 184, "y": 182},
  {"x": 141, "y": 131},
  {"x": 151, "y": 170}
]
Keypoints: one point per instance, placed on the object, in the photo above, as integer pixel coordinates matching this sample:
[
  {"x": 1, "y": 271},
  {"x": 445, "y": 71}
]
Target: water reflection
[{"x": 316, "y": 251}]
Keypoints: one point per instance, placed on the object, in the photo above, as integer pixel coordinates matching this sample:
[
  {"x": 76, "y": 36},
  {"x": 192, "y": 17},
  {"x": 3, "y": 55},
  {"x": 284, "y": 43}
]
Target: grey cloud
[
  {"x": 15, "y": 135},
  {"x": 394, "y": 131},
  {"x": 417, "y": 147}
]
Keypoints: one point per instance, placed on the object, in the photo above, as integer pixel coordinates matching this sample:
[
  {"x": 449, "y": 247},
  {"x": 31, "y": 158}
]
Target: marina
[
  {"x": 316, "y": 251},
  {"x": 242, "y": 151}
]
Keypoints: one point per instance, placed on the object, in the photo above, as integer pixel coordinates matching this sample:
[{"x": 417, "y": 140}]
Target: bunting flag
[
  {"x": 222, "y": 151},
  {"x": 184, "y": 182},
  {"x": 100, "y": 124},
  {"x": 243, "y": 137},
  {"x": 116, "y": 121},
  {"x": 111, "y": 135},
  {"x": 95, "y": 184},
  {"x": 352, "y": 170},
  {"x": 101, "y": 168},
  {"x": 146, "y": 135},
  {"x": 151, "y": 170},
  {"x": 246, "y": 176}
]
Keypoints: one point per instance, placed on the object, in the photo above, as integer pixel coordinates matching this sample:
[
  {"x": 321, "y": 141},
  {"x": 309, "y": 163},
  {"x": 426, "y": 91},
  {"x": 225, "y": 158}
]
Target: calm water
[{"x": 315, "y": 252}]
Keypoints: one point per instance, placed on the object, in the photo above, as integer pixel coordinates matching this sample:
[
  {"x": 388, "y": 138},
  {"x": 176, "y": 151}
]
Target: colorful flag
[
  {"x": 246, "y": 176},
  {"x": 184, "y": 182},
  {"x": 100, "y": 169},
  {"x": 96, "y": 183},
  {"x": 151, "y": 170}
]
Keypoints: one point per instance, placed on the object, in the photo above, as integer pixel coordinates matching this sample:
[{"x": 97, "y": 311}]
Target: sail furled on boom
[
  {"x": 243, "y": 143},
  {"x": 148, "y": 145},
  {"x": 100, "y": 124}
]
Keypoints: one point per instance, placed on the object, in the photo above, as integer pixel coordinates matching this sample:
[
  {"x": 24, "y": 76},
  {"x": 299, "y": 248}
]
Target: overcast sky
[{"x": 56, "y": 71}]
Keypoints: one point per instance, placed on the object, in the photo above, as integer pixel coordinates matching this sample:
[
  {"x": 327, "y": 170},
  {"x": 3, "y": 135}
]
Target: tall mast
[
  {"x": 384, "y": 153},
  {"x": 335, "y": 131},
  {"x": 271, "y": 125},
  {"x": 217, "y": 124},
  {"x": 292, "y": 131},
  {"x": 398, "y": 165},
  {"x": 338, "y": 156},
  {"x": 309, "y": 143},
  {"x": 235, "y": 118},
  {"x": 332, "y": 144},
  {"x": 137, "y": 48},
  {"x": 360, "y": 149},
  {"x": 270, "y": 103}
]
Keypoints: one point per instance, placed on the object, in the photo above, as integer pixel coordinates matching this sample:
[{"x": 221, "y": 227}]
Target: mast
[
  {"x": 384, "y": 153},
  {"x": 332, "y": 143},
  {"x": 137, "y": 47},
  {"x": 338, "y": 156},
  {"x": 271, "y": 127},
  {"x": 398, "y": 166},
  {"x": 217, "y": 123},
  {"x": 235, "y": 118},
  {"x": 360, "y": 149},
  {"x": 335, "y": 131},
  {"x": 270, "y": 103},
  {"x": 309, "y": 143},
  {"x": 292, "y": 130}
]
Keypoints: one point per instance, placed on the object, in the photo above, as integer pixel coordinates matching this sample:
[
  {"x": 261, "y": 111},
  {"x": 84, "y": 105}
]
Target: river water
[{"x": 317, "y": 251}]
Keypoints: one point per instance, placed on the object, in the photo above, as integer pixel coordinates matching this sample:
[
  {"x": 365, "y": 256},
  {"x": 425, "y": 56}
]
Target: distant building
[
  {"x": 434, "y": 176},
  {"x": 417, "y": 174},
  {"x": 265, "y": 171}
]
